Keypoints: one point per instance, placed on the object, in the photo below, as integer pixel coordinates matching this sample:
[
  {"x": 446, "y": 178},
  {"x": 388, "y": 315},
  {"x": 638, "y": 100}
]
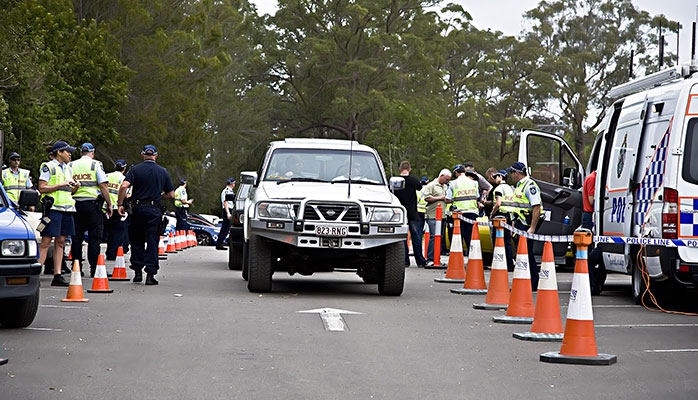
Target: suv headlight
[
  {"x": 274, "y": 210},
  {"x": 385, "y": 214},
  {"x": 14, "y": 248}
]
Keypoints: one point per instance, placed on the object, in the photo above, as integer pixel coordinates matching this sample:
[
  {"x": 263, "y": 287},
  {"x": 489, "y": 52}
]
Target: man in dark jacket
[{"x": 408, "y": 199}]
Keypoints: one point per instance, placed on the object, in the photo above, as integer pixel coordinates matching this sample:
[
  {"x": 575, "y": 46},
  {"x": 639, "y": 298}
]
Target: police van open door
[{"x": 559, "y": 174}]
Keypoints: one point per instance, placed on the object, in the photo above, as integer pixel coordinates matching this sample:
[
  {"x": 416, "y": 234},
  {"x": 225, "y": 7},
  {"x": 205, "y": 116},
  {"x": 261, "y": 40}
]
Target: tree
[{"x": 588, "y": 45}]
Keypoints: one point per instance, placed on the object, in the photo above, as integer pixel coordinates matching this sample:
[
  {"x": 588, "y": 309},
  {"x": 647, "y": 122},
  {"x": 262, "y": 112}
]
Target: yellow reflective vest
[
  {"x": 465, "y": 194},
  {"x": 85, "y": 172},
  {"x": 62, "y": 198},
  {"x": 15, "y": 183}
]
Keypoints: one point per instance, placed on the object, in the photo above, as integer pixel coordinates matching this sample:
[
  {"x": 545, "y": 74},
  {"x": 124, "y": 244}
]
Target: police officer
[
  {"x": 228, "y": 208},
  {"x": 463, "y": 195},
  {"x": 527, "y": 212},
  {"x": 182, "y": 203},
  {"x": 14, "y": 178},
  {"x": 88, "y": 217},
  {"x": 116, "y": 225},
  {"x": 56, "y": 181},
  {"x": 151, "y": 183}
]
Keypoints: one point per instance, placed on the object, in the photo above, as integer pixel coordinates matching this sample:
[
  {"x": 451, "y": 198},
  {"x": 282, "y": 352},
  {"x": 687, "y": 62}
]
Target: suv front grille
[{"x": 332, "y": 212}]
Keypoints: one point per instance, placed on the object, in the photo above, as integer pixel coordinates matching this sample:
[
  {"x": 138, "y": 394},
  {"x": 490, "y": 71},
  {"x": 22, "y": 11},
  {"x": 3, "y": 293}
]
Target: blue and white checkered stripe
[{"x": 653, "y": 179}]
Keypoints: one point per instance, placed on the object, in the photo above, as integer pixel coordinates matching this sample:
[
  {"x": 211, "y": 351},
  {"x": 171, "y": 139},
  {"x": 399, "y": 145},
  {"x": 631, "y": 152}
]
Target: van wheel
[
  {"x": 392, "y": 281},
  {"x": 638, "y": 284},
  {"x": 19, "y": 313},
  {"x": 259, "y": 266}
]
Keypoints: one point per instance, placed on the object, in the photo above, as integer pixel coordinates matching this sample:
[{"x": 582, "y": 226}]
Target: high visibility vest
[
  {"x": 421, "y": 202},
  {"x": 14, "y": 183},
  {"x": 180, "y": 197},
  {"x": 62, "y": 198},
  {"x": 85, "y": 172},
  {"x": 521, "y": 203},
  {"x": 465, "y": 194},
  {"x": 507, "y": 204},
  {"x": 114, "y": 181}
]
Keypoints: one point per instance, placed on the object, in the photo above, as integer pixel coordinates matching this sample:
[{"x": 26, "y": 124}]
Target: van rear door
[
  {"x": 559, "y": 174},
  {"x": 616, "y": 185}
]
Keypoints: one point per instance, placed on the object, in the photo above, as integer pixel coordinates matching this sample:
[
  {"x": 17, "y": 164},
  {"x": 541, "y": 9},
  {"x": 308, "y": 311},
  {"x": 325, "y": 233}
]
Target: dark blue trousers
[{"x": 144, "y": 237}]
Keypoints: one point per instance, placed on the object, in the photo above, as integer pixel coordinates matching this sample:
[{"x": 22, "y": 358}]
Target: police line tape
[{"x": 595, "y": 239}]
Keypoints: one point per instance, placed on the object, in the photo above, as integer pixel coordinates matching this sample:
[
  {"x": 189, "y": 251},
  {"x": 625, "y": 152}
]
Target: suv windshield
[{"x": 323, "y": 165}]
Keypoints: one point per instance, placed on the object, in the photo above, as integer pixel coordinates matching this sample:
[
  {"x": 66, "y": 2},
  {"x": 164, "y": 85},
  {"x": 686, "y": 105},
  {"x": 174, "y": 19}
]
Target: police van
[{"x": 646, "y": 208}]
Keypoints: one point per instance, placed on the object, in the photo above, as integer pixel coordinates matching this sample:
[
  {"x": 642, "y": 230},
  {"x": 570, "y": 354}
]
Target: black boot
[
  {"x": 150, "y": 280},
  {"x": 138, "y": 277},
  {"x": 58, "y": 280}
]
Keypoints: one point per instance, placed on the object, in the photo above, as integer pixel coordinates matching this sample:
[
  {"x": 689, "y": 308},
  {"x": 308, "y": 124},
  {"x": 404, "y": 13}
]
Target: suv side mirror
[
  {"x": 397, "y": 183},
  {"x": 28, "y": 198}
]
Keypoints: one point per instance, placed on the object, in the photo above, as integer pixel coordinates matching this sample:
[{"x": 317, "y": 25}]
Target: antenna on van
[{"x": 630, "y": 67}]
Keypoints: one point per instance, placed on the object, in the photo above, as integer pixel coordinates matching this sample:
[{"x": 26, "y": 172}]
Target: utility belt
[{"x": 146, "y": 203}]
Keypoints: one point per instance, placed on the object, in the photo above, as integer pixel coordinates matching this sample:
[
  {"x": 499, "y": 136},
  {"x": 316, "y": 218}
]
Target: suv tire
[
  {"x": 393, "y": 280},
  {"x": 260, "y": 269},
  {"x": 19, "y": 313}
]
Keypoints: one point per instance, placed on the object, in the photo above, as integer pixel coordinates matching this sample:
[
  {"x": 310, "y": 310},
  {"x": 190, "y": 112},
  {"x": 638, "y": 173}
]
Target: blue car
[
  {"x": 19, "y": 266},
  {"x": 206, "y": 232}
]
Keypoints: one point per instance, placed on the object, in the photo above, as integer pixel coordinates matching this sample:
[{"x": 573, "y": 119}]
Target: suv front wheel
[
  {"x": 259, "y": 264},
  {"x": 392, "y": 281}
]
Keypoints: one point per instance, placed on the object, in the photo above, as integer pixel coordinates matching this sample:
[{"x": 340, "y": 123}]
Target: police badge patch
[
  {"x": 45, "y": 168},
  {"x": 533, "y": 190}
]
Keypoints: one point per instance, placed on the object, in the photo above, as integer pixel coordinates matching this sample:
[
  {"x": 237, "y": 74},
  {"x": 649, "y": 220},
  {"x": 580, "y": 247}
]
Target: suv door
[{"x": 559, "y": 174}]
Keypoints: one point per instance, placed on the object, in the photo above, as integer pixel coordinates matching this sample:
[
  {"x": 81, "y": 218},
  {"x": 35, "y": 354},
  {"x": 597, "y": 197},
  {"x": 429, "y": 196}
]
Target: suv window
[{"x": 322, "y": 164}]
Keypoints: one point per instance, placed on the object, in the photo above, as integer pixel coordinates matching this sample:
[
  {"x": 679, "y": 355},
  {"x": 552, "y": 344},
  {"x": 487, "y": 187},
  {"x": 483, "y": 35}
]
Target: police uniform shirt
[
  {"x": 532, "y": 191},
  {"x": 99, "y": 173},
  {"x": 46, "y": 170},
  {"x": 227, "y": 190},
  {"x": 148, "y": 180}
]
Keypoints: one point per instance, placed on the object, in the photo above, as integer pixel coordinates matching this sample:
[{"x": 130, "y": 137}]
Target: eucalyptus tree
[{"x": 588, "y": 44}]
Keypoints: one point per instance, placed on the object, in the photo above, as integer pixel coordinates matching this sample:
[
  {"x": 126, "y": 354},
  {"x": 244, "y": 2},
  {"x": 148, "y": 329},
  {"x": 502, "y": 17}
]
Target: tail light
[{"x": 670, "y": 214}]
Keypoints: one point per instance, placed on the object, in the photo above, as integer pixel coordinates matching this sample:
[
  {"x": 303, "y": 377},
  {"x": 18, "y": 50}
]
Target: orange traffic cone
[
  {"x": 171, "y": 246},
  {"x": 100, "y": 283},
  {"x": 547, "y": 323},
  {"x": 498, "y": 293},
  {"x": 75, "y": 292},
  {"x": 579, "y": 341},
  {"x": 179, "y": 242},
  {"x": 190, "y": 242},
  {"x": 193, "y": 239},
  {"x": 475, "y": 273},
  {"x": 520, "y": 310},
  {"x": 425, "y": 239},
  {"x": 119, "y": 271},
  {"x": 455, "y": 271},
  {"x": 161, "y": 249}
]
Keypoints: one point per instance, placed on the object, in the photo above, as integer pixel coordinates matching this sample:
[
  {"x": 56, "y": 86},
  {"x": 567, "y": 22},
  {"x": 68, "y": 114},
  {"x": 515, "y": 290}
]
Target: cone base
[
  {"x": 100, "y": 290},
  {"x": 3, "y": 361},
  {"x": 75, "y": 300},
  {"x": 539, "y": 337},
  {"x": 505, "y": 319},
  {"x": 486, "y": 306},
  {"x": 436, "y": 267},
  {"x": 469, "y": 291},
  {"x": 449, "y": 280},
  {"x": 119, "y": 279},
  {"x": 162, "y": 257},
  {"x": 556, "y": 358}
]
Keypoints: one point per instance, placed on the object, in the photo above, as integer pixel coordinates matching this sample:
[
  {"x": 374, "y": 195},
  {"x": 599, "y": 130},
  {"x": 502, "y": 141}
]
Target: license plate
[{"x": 331, "y": 230}]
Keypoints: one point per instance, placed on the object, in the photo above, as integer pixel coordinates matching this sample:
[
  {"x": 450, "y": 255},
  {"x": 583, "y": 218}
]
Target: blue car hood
[{"x": 14, "y": 226}]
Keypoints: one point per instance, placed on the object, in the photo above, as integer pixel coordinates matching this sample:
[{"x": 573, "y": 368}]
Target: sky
[{"x": 505, "y": 16}]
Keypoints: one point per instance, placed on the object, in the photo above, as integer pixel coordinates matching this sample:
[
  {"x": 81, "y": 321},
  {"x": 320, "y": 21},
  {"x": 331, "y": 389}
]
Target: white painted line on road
[
  {"x": 647, "y": 326},
  {"x": 55, "y": 306},
  {"x": 43, "y": 329},
  {"x": 331, "y": 318},
  {"x": 673, "y": 351}
]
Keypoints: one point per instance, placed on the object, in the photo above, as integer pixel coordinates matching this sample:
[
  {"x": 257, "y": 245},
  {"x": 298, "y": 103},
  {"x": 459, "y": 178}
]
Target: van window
[
  {"x": 549, "y": 161},
  {"x": 690, "y": 169}
]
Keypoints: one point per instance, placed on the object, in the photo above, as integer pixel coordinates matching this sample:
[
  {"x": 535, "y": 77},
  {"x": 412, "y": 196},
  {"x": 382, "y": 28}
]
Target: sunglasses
[{"x": 15, "y": 159}]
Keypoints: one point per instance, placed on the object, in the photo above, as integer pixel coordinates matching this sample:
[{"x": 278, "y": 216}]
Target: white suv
[{"x": 320, "y": 205}]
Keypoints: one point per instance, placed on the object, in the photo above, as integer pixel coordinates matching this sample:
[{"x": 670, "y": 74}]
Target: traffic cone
[
  {"x": 437, "y": 240},
  {"x": 547, "y": 322},
  {"x": 179, "y": 242},
  {"x": 119, "y": 271},
  {"x": 455, "y": 271},
  {"x": 161, "y": 249},
  {"x": 425, "y": 238},
  {"x": 75, "y": 292},
  {"x": 579, "y": 341},
  {"x": 475, "y": 273},
  {"x": 171, "y": 246},
  {"x": 100, "y": 283},
  {"x": 498, "y": 292},
  {"x": 193, "y": 239},
  {"x": 520, "y": 310},
  {"x": 190, "y": 238}
]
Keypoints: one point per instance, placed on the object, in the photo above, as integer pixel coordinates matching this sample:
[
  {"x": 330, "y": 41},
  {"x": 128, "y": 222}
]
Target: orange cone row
[{"x": 455, "y": 270}]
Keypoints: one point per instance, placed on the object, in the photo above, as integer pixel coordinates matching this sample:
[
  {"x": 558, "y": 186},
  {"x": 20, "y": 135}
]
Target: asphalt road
[{"x": 201, "y": 335}]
